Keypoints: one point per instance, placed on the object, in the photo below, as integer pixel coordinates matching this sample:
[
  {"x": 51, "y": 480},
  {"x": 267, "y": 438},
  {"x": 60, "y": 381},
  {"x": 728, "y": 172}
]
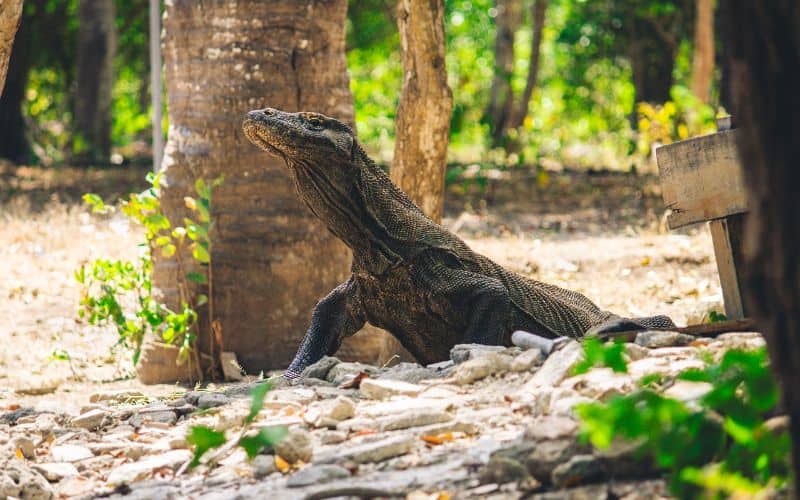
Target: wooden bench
[{"x": 701, "y": 180}]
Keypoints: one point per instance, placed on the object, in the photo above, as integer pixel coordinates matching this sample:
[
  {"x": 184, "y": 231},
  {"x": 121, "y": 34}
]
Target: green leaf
[
  {"x": 168, "y": 250},
  {"x": 203, "y": 438},
  {"x": 266, "y": 438},
  {"x": 202, "y": 299},
  {"x": 200, "y": 254},
  {"x": 197, "y": 277},
  {"x": 258, "y": 394},
  {"x": 163, "y": 240},
  {"x": 202, "y": 188}
]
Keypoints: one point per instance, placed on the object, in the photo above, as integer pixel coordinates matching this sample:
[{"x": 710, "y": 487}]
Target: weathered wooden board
[
  {"x": 701, "y": 178},
  {"x": 726, "y": 234}
]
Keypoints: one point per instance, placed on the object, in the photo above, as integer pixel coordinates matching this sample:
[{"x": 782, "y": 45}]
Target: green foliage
[
  {"x": 204, "y": 438},
  {"x": 120, "y": 292},
  {"x": 719, "y": 444},
  {"x": 596, "y": 353}
]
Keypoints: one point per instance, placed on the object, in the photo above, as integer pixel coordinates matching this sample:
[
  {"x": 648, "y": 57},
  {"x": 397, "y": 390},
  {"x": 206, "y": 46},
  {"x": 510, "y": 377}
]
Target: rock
[
  {"x": 134, "y": 471},
  {"x": 579, "y": 469},
  {"x": 297, "y": 395},
  {"x": 636, "y": 352},
  {"x": 557, "y": 367},
  {"x": 547, "y": 455},
  {"x": 600, "y": 383},
  {"x": 551, "y": 427},
  {"x": 375, "y": 451},
  {"x": 18, "y": 481},
  {"x": 295, "y": 447},
  {"x": 659, "y": 338},
  {"x": 263, "y": 466},
  {"x": 503, "y": 470},
  {"x": 330, "y": 412},
  {"x": 331, "y": 437},
  {"x": 464, "y": 352},
  {"x": 25, "y": 446},
  {"x": 409, "y": 372},
  {"x": 684, "y": 390},
  {"x": 118, "y": 397},
  {"x": 414, "y": 418},
  {"x": 623, "y": 459},
  {"x": 527, "y": 360},
  {"x": 161, "y": 414},
  {"x": 481, "y": 367},
  {"x": 565, "y": 406},
  {"x": 345, "y": 372},
  {"x": 661, "y": 366},
  {"x": 56, "y": 471},
  {"x": 208, "y": 400},
  {"x": 321, "y": 368},
  {"x": 231, "y": 369},
  {"x": 384, "y": 389},
  {"x": 317, "y": 474},
  {"x": 37, "y": 386},
  {"x": 70, "y": 453},
  {"x": 90, "y": 420}
]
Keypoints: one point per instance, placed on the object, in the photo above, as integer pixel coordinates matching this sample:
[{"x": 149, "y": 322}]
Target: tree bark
[
  {"x": 764, "y": 46},
  {"x": 273, "y": 260},
  {"x": 538, "y": 12},
  {"x": 426, "y": 102},
  {"x": 501, "y": 97},
  {"x": 703, "y": 58},
  {"x": 652, "y": 62},
  {"x": 10, "y": 13},
  {"x": 14, "y": 145},
  {"x": 95, "y": 79}
]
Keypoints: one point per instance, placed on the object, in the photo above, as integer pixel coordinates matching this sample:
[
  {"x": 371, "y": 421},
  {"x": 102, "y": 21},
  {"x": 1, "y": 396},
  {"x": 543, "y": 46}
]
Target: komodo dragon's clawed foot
[{"x": 619, "y": 324}]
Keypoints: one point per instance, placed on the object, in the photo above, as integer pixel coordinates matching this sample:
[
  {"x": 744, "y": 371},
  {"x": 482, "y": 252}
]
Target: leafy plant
[
  {"x": 721, "y": 443},
  {"x": 121, "y": 292},
  {"x": 205, "y": 438}
]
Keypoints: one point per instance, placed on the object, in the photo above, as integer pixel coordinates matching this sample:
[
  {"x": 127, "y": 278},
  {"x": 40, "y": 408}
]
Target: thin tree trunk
[
  {"x": 273, "y": 260},
  {"x": 14, "y": 144},
  {"x": 765, "y": 54},
  {"x": 423, "y": 115},
  {"x": 10, "y": 14},
  {"x": 95, "y": 79},
  {"x": 703, "y": 58},
  {"x": 501, "y": 97},
  {"x": 538, "y": 12}
]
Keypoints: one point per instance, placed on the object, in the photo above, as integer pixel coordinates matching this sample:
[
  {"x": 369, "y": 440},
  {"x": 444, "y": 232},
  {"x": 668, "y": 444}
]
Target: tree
[
  {"x": 538, "y": 11},
  {"x": 426, "y": 102},
  {"x": 764, "y": 56},
  {"x": 272, "y": 259},
  {"x": 501, "y": 97},
  {"x": 703, "y": 59},
  {"x": 95, "y": 78},
  {"x": 14, "y": 145},
  {"x": 10, "y": 12}
]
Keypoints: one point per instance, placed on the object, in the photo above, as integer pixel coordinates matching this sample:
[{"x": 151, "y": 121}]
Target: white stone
[
  {"x": 134, "y": 471},
  {"x": 55, "y": 471},
  {"x": 384, "y": 389},
  {"x": 527, "y": 360},
  {"x": 295, "y": 447},
  {"x": 479, "y": 368},
  {"x": 329, "y": 412},
  {"x": 557, "y": 367},
  {"x": 600, "y": 383},
  {"x": 92, "y": 419},
  {"x": 374, "y": 451},
  {"x": 70, "y": 453},
  {"x": 121, "y": 396},
  {"x": 687, "y": 391}
]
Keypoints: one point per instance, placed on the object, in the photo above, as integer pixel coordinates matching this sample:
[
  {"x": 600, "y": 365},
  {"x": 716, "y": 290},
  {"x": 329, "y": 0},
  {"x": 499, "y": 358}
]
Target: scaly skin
[{"x": 410, "y": 275}]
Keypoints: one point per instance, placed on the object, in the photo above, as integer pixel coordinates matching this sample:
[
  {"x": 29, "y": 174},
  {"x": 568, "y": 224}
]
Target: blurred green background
[{"x": 585, "y": 110}]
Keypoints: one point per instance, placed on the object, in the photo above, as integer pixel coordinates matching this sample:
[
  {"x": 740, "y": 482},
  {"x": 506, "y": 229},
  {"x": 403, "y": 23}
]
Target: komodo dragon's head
[{"x": 302, "y": 138}]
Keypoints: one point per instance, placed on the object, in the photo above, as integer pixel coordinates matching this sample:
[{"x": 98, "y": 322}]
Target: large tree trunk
[
  {"x": 272, "y": 259},
  {"x": 423, "y": 115},
  {"x": 652, "y": 62},
  {"x": 10, "y": 13},
  {"x": 501, "y": 97},
  {"x": 765, "y": 54},
  {"x": 703, "y": 58},
  {"x": 538, "y": 12},
  {"x": 95, "y": 78},
  {"x": 14, "y": 145}
]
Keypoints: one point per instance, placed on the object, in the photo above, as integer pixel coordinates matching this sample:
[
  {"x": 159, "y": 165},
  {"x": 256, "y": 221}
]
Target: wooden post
[{"x": 155, "y": 82}]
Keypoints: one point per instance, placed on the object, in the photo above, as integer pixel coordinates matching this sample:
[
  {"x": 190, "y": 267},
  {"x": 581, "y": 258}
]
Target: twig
[{"x": 353, "y": 491}]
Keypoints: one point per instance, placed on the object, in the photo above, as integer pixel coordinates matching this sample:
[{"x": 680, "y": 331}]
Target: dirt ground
[{"x": 599, "y": 233}]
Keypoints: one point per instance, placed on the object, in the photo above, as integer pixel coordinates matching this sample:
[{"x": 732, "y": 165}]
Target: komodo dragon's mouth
[{"x": 252, "y": 130}]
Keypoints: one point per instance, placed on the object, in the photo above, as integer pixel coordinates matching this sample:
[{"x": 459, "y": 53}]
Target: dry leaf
[
  {"x": 362, "y": 433},
  {"x": 281, "y": 464},
  {"x": 438, "y": 439},
  {"x": 356, "y": 382},
  {"x": 18, "y": 453},
  {"x": 645, "y": 262}
]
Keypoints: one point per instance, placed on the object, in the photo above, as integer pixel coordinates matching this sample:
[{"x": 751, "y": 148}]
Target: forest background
[{"x": 607, "y": 80}]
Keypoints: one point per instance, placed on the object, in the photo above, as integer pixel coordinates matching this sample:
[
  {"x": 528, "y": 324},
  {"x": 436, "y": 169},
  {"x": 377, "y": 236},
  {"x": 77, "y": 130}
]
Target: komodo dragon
[{"x": 410, "y": 275}]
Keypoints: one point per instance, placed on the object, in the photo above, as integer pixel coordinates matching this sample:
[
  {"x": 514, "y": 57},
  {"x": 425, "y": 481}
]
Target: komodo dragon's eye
[{"x": 314, "y": 122}]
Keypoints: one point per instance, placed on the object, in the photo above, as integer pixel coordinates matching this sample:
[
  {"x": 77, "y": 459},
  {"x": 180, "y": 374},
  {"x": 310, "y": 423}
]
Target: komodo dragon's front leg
[{"x": 335, "y": 317}]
